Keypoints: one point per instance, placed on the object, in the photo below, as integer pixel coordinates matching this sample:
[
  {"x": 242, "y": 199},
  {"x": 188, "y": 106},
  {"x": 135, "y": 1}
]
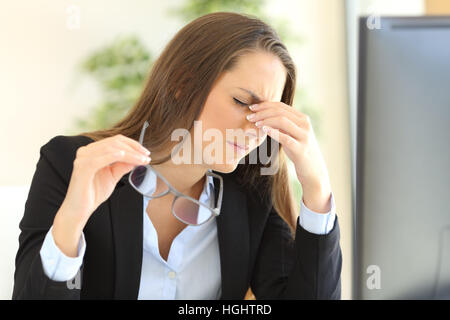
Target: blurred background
[{"x": 74, "y": 65}]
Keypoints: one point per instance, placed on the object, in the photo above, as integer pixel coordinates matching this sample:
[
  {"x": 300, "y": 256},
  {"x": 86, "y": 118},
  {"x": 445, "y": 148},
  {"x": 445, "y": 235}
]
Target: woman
[{"x": 89, "y": 232}]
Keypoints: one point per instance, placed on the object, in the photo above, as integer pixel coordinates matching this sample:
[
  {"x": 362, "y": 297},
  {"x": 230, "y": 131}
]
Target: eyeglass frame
[{"x": 215, "y": 211}]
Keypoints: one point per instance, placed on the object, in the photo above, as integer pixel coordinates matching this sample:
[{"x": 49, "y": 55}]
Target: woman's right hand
[{"x": 97, "y": 168}]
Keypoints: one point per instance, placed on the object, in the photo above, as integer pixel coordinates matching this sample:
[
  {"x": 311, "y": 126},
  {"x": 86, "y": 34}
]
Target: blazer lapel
[
  {"x": 233, "y": 237},
  {"x": 127, "y": 225}
]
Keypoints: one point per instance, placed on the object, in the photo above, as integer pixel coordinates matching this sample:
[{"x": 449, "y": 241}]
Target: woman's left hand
[{"x": 293, "y": 130}]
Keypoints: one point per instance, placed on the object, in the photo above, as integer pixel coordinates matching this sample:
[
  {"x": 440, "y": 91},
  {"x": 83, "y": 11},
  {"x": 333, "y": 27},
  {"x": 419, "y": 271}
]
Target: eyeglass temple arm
[
  {"x": 219, "y": 200},
  {"x": 141, "y": 137},
  {"x": 220, "y": 194}
]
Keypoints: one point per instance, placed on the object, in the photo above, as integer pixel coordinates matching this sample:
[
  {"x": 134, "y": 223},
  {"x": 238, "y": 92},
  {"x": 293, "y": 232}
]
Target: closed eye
[{"x": 239, "y": 102}]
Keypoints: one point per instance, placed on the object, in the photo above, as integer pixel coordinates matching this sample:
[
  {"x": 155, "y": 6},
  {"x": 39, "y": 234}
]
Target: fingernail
[
  {"x": 253, "y": 107},
  {"x": 146, "y": 151},
  {"x": 250, "y": 116}
]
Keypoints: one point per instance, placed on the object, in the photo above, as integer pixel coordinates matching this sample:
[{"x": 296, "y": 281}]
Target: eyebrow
[{"x": 255, "y": 98}]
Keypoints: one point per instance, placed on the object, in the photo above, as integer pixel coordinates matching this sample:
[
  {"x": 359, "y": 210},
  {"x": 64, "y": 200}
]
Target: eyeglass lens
[
  {"x": 190, "y": 212},
  {"x": 144, "y": 179}
]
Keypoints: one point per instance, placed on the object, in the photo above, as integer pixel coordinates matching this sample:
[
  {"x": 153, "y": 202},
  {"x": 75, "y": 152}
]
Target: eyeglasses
[{"x": 185, "y": 208}]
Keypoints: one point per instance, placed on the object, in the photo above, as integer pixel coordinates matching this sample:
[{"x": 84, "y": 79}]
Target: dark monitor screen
[{"x": 402, "y": 212}]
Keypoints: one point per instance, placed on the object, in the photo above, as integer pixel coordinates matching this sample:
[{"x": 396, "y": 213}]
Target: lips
[{"x": 243, "y": 148}]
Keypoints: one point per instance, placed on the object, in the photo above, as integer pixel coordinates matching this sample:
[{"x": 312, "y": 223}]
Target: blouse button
[{"x": 171, "y": 275}]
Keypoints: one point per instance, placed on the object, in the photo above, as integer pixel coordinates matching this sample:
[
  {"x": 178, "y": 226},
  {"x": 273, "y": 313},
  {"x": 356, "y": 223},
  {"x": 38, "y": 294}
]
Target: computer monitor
[{"x": 402, "y": 205}]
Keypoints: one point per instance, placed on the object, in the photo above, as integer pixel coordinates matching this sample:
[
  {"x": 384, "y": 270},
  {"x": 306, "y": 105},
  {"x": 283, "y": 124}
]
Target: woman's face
[{"x": 223, "y": 119}]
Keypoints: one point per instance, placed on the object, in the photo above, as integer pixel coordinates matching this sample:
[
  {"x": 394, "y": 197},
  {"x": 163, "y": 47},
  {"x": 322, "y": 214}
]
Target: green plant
[{"x": 120, "y": 70}]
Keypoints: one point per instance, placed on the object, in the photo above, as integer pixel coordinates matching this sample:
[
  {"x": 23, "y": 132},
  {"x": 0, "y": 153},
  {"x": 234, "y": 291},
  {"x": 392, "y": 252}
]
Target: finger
[
  {"x": 123, "y": 145},
  {"x": 110, "y": 144},
  {"x": 118, "y": 169},
  {"x": 285, "y": 125},
  {"x": 276, "y": 104},
  {"x": 285, "y": 139},
  {"x": 132, "y": 157},
  {"x": 93, "y": 164},
  {"x": 132, "y": 143},
  {"x": 272, "y": 112}
]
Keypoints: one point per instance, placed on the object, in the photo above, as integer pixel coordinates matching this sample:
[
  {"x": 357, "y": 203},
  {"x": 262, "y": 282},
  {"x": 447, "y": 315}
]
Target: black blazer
[{"x": 254, "y": 242}]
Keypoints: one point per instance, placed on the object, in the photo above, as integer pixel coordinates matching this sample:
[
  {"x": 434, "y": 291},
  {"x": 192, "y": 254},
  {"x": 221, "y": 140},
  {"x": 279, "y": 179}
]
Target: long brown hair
[{"x": 179, "y": 83}]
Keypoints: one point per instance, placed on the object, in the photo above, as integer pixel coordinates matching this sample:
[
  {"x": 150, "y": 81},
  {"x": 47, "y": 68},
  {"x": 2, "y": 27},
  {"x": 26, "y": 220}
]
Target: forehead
[{"x": 261, "y": 72}]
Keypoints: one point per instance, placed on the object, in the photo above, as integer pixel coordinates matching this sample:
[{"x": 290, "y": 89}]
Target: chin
[
  {"x": 229, "y": 165},
  {"x": 224, "y": 168}
]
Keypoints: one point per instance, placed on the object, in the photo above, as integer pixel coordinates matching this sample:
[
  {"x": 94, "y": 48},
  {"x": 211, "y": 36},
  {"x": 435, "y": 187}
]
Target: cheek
[{"x": 219, "y": 115}]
